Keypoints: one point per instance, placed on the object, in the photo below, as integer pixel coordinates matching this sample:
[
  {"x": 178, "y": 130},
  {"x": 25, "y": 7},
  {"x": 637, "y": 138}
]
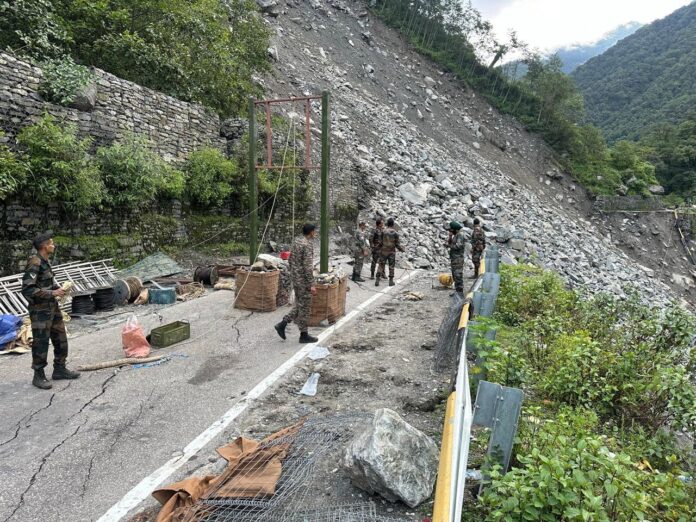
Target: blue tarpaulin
[{"x": 9, "y": 328}]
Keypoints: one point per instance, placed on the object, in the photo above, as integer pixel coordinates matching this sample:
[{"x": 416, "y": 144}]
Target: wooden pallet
[{"x": 84, "y": 276}]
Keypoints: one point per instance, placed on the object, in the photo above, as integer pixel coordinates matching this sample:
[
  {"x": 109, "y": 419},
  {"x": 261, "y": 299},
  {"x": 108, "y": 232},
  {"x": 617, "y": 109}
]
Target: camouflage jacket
[
  {"x": 302, "y": 263},
  {"x": 360, "y": 242},
  {"x": 376, "y": 238},
  {"x": 38, "y": 283},
  {"x": 456, "y": 244},
  {"x": 390, "y": 242},
  {"x": 478, "y": 240}
]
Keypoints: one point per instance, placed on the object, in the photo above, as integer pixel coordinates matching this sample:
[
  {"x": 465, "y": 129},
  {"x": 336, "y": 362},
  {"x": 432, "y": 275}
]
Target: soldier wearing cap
[
  {"x": 456, "y": 243},
  {"x": 41, "y": 291}
]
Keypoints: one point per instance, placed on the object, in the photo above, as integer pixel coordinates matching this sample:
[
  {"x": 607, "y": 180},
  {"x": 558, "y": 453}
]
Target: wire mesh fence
[
  {"x": 446, "y": 346},
  {"x": 284, "y": 478}
]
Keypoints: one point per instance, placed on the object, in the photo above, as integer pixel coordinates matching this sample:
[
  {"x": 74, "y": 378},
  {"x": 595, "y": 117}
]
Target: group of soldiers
[
  {"x": 42, "y": 293},
  {"x": 383, "y": 243}
]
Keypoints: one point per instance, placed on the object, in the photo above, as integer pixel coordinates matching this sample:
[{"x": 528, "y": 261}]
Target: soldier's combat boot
[
  {"x": 61, "y": 372},
  {"x": 280, "y": 328},
  {"x": 306, "y": 338},
  {"x": 40, "y": 380},
  {"x": 391, "y": 281},
  {"x": 377, "y": 280},
  {"x": 372, "y": 274},
  {"x": 358, "y": 279}
]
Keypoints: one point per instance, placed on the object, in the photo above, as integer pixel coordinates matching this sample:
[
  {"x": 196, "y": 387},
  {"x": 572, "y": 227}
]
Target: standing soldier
[
  {"x": 456, "y": 244},
  {"x": 478, "y": 244},
  {"x": 387, "y": 254},
  {"x": 41, "y": 291},
  {"x": 376, "y": 244},
  {"x": 301, "y": 265},
  {"x": 360, "y": 246}
]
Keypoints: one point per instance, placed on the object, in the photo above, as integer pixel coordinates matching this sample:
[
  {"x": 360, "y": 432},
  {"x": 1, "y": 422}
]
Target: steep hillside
[
  {"x": 425, "y": 150},
  {"x": 644, "y": 79}
]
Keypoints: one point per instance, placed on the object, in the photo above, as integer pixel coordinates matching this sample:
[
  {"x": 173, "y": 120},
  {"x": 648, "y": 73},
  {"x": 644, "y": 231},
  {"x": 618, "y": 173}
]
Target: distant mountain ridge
[
  {"x": 645, "y": 79},
  {"x": 574, "y": 56}
]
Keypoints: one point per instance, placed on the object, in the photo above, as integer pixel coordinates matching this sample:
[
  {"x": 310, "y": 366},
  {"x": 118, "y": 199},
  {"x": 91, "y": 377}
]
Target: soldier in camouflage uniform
[
  {"x": 41, "y": 291},
  {"x": 360, "y": 246},
  {"x": 478, "y": 244},
  {"x": 301, "y": 271},
  {"x": 376, "y": 244},
  {"x": 456, "y": 244},
  {"x": 387, "y": 254}
]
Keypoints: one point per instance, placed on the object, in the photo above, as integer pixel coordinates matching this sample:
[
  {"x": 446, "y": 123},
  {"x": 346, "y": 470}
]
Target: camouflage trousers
[
  {"x": 48, "y": 325},
  {"x": 375, "y": 261},
  {"x": 387, "y": 259},
  {"x": 457, "y": 265},
  {"x": 358, "y": 266},
  {"x": 300, "y": 312},
  {"x": 476, "y": 259}
]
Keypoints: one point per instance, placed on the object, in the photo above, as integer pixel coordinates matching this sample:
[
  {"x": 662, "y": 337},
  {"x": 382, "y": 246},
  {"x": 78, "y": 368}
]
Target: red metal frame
[{"x": 269, "y": 133}]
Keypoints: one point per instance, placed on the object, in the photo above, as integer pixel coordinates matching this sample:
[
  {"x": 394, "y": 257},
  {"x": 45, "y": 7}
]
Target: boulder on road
[{"x": 393, "y": 459}]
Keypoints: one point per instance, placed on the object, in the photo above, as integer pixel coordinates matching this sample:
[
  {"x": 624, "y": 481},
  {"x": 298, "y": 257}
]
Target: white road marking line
[{"x": 146, "y": 486}]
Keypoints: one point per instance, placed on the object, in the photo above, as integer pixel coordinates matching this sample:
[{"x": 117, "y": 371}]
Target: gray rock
[
  {"x": 516, "y": 244},
  {"x": 415, "y": 195},
  {"x": 393, "y": 459},
  {"x": 85, "y": 99},
  {"x": 269, "y": 7},
  {"x": 421, "y": 262},
  {"x": 657, "y": 190}
]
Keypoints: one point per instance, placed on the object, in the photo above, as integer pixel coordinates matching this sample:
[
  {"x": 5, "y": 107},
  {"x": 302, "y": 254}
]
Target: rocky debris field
[
  {"x": 384, "y": 360},
  {"x": 424, "y": 149}
]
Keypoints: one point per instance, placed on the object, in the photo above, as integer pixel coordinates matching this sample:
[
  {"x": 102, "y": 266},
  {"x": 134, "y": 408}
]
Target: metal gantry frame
[{"x": 268, "y": 165}]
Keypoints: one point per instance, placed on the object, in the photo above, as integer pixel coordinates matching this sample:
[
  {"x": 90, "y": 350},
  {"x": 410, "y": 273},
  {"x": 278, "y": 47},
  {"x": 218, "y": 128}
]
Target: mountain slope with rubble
[{"x": 423, "y": 148}]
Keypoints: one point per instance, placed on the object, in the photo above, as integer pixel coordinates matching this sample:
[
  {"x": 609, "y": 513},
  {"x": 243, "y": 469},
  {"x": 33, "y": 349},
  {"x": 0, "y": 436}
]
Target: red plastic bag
[{"x": 133, "y": 338}]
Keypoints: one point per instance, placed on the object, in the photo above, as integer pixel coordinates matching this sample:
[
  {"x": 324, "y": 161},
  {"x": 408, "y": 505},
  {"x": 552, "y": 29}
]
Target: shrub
[
  {"x": 13, "y": 172},
  {"x": 569, "y": 474},
  {"x": 63, "y": 79},
  {"x": 32, "y": 28},
  {"x": 58, "y": 166},
  {"x": 211, "y": 178},
  {"x": 135, "y": 175}
]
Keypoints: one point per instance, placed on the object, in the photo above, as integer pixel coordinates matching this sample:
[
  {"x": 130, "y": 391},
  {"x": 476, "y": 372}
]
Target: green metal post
[
  {"x": 324, "y": 227},
  {"x": 253, "y": 198}
]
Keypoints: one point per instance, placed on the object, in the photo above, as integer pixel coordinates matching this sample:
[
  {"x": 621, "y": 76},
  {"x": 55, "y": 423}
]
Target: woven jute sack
[
  {"x": 329, "y": 302},
  {"x": 256, "y": 291}
]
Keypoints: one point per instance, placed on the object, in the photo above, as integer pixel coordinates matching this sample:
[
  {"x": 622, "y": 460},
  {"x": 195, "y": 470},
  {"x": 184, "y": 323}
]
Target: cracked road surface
[{"x": 72, "y": 452}]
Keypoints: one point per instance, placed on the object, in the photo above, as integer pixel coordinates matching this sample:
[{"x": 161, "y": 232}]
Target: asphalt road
[{"x": 72, "y": 452}]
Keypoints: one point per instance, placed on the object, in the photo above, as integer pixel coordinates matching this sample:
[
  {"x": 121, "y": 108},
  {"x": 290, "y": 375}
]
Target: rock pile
[{"x": 425, "y": 170}]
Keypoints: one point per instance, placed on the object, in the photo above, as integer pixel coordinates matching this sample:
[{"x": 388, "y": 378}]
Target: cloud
[{"x": 550, "y": 24}]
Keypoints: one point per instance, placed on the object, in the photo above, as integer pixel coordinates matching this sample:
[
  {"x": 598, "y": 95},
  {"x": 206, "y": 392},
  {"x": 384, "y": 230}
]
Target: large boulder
[
  {"x": 415, "y": 195},
  {"x": 85, "y": 98},
  {"x": 656, "y": 190},
  {"x": 393, "y": 459}
]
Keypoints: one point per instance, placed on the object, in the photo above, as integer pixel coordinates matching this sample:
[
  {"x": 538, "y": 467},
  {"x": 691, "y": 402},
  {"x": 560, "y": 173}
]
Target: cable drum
[
  {"x": 208, "y": 275},
  {"x": 126, "y": 290},
  {"x": 104, "y": 298},
  {"x": 82, "y": 303}
]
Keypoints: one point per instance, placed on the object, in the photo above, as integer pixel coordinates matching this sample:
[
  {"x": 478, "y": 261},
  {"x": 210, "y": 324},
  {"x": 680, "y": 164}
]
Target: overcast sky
[{"x": 550, "y": 24}]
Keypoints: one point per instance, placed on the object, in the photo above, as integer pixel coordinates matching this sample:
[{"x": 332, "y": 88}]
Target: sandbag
[
  {"x": 256, "y": 291},
  {"x": 133, "y": 338}
]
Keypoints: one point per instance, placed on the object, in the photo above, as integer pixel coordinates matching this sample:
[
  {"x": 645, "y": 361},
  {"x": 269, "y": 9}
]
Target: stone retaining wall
[{"x": 174, "y": 127}]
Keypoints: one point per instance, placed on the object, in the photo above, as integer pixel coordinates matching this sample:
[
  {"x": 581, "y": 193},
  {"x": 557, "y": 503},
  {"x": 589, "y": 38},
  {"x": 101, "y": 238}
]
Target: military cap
[
  {"x": 455, "y": 225},
  {"x": 39, "y": 239}
]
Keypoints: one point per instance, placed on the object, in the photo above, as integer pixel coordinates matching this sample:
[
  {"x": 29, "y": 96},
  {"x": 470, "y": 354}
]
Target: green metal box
[{"x": 170, "y": 334}]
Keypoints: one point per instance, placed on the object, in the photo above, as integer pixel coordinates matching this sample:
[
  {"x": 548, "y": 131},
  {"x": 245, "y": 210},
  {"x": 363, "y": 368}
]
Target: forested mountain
[
  {"x": 574, "y": 56},
  {"x": 646, "y": 78}
]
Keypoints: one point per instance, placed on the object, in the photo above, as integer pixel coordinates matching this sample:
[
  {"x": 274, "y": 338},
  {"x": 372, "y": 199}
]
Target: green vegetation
[
  {"x": 13, "y": 172},
  {"x": 672, "y": 149},
  {"x": 212, "y": 178},
  {"x": 63, "y": 79},
  {"x": 134, "y": 175},
  {"x": 58, "y": 166},
  {"x": 196, "y": 50},
  {"x": 606, "y": 381},
  {"x": 646, "y": 78}
]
